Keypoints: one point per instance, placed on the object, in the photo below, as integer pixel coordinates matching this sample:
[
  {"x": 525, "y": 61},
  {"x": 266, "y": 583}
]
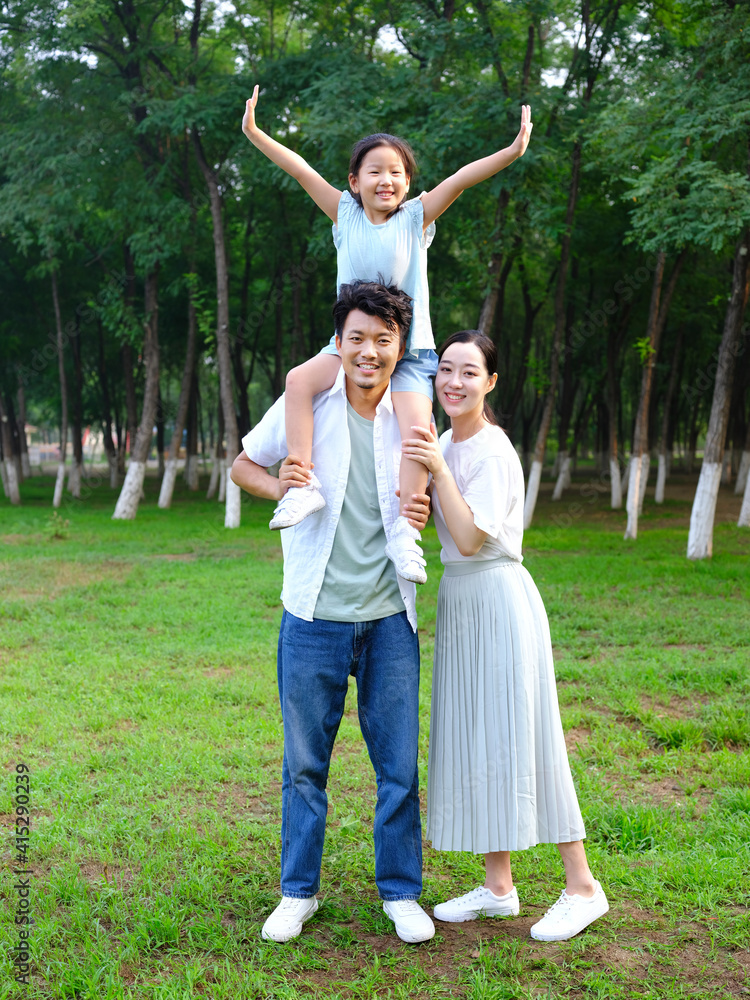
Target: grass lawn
[{"x": 137, "y": 683}]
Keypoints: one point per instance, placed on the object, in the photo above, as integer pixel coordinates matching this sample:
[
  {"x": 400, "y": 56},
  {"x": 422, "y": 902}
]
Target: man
[{"x": 346, "y": 612}]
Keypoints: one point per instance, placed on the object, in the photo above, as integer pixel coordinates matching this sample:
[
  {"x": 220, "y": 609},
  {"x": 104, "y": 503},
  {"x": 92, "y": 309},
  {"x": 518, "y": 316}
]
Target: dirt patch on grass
[
  {"x": 646, "y": 952},
  {"x": 577, "y": 737},
  {"x": 109, "y": 873},
  {"x": 57, "y": 577},
  {"x": 176, "y": 556},
  {"x": 666, "y": 791}
]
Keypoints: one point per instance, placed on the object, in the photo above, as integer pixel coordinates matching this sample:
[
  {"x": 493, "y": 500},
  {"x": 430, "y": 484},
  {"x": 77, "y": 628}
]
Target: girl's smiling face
[
  {"x": 462, "y": 381},
  {"x": 381, "y": 182}
]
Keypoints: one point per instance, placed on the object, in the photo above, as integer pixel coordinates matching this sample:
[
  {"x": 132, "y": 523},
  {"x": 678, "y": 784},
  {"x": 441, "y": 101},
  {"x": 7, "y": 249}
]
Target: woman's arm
[
  {"x": 459, "y": 517},
  {"x": 441, "y": 197},
  {"x": 325, "y": 195}
]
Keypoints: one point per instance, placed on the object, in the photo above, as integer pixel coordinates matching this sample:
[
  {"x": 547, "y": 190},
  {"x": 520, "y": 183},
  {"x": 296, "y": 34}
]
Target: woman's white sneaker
[
  {"x": 412, "y": 923},
  {"x": 569, "y": 915},
  {"x": 287, "y": 919},
  {"x": 481, "y": 902}
]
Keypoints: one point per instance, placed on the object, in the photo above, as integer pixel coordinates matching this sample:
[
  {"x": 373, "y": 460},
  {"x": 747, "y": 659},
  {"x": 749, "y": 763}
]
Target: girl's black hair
[
  {"x": 362, "y": 147},
  {"x": 489, "y": 353}
]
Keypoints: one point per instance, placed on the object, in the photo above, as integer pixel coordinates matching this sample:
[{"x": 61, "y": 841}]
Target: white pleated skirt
[{"x": 498, "y": 773}]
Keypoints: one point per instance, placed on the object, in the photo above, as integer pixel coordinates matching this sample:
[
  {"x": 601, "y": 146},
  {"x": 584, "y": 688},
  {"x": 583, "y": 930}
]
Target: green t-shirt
[{"x": 360, "y": 582}]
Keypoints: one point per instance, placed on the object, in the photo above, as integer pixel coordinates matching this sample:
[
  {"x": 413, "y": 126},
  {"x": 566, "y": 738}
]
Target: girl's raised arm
[
  {"x": 441, "y": 197},
  {"x": 325, "y": 195}
]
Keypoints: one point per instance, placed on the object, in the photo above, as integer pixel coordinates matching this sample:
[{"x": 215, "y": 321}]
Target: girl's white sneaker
[{"x": 481, "y": 902}]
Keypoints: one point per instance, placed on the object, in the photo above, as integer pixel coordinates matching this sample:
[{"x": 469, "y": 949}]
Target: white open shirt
[{"x": 307, "y": 546}]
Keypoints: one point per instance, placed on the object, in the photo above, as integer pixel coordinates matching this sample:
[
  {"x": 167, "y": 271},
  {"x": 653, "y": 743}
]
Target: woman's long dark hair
[{"x": 489, "y": 354}]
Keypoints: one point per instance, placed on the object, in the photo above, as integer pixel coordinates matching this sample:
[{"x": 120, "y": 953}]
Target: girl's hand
[
  {"x": 522, "y": 139},
  {"x": 248, "y": 122},
  {"x": 425, "y": 449}
]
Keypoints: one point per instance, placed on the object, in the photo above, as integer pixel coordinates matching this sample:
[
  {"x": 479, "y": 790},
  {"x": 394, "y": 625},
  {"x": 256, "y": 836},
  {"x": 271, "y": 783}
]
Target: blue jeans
[{"x": 314, "y": 663}]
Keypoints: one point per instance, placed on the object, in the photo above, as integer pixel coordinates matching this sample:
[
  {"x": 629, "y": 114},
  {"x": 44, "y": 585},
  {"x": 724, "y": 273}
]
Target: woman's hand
[
  {"x": 425, "y": 449},
  {"x": 248, "y": 121},
  {"x": 522, "y": 139}
]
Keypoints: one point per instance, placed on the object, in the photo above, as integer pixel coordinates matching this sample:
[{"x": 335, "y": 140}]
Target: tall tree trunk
[
  {"x": 130, "y": 495},
  {"x": 742, "y": 473},
  {"x": 21, "y": 398},
  {"x": 535, "y": 476},
  {"x": 218, "y": 458},
  {"x": 614, "y": 343},
  {"x": 232, "y": 513},
  {"x": 657, "y": 318},
  {"x": 567, "y": 398},
  {"x": 170, "y": 469},
  {"x": 76, "y": 468},
  {"x": 59, "y": 482},
  {"x": 10, "y": 478},
  {"x": 701, "y": 535},
  {"x": 661, "y": 476},
  {"x": 489, "y": 305},
  {"x": 109, "y": 444}
]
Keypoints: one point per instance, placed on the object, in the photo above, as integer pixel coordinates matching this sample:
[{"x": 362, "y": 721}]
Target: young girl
[
  {"x": 498, "y": 773},
  {"x": 379, "y": 236}
]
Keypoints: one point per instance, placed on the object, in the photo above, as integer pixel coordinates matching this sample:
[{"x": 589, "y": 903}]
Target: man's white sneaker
[
  {"x": 569, "y": 915},
  {"x": 287, "y": 919},
  {"x": 403, "y": 551},
  {"x": 297, "y": 503},
  {"x": 479, "y": 902},
  {"x": 412, "y": 923}
]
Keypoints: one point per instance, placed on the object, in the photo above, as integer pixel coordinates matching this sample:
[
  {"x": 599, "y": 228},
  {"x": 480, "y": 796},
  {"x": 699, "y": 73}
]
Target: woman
[{"x": 499, "y": 779}]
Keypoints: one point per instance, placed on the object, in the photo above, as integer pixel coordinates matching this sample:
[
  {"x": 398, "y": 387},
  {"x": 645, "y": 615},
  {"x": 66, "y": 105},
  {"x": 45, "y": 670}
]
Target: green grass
[{"x": 137, "y": 681}]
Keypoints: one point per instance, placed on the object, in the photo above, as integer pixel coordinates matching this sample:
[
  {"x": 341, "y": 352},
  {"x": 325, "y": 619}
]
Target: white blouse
[{"x": 489, "y": 476}]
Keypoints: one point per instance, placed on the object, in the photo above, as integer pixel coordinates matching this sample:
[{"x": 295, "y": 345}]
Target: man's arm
[{"x": 254, "y": 479}]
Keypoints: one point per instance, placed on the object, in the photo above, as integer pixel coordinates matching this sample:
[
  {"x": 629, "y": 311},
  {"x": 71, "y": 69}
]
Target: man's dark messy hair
[{"x": 373, "y": 298}]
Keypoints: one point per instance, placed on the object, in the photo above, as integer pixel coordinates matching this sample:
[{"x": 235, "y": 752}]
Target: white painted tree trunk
[
  {"x": 643, "y": 481},
  {"x": 214, "y": 480},
  {"x": 661, "y": 478},
  {"x": 167, "y": 484},
  {"x": 615, "y": 484},
  {"x": 25, "y": 464},
  {"x": 726, "y": 468},
  {"x": 10, "y": 481},
  {"x": 222, "y": 483},
  {"x": 556, "y": 463},
  {"x": 744, "y": 518},
  {"x": 192, "y": 472},
  {"x": 634, "y": 490},
  {"x": 74, "y": 479},
  {"x": 563, "y": 478},
  {"x": 742, "y": 473},
  {"x": 131, "y": 492},
  {"x": 700, "y": 537},
  {"x": 234, "y": 496},
  {"x": 532, "y": 491},
  {"x": 59, "y": 483}
]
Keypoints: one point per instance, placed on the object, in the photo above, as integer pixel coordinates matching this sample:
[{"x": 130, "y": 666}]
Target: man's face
[{"x": 369, "y": 350}]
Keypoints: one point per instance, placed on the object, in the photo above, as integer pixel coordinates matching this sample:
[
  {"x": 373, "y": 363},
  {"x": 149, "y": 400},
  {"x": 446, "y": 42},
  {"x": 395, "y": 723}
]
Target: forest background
[{"x": 158, "y": 274}]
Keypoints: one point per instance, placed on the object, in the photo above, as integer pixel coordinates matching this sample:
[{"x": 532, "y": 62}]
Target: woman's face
[{"x": 462, "y": 380}]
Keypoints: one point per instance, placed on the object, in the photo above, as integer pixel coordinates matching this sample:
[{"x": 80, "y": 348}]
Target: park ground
[{"x": 137, "y": 683}]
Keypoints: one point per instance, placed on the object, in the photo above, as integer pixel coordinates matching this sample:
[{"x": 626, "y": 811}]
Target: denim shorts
[{"x": 414, "y": 372}]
